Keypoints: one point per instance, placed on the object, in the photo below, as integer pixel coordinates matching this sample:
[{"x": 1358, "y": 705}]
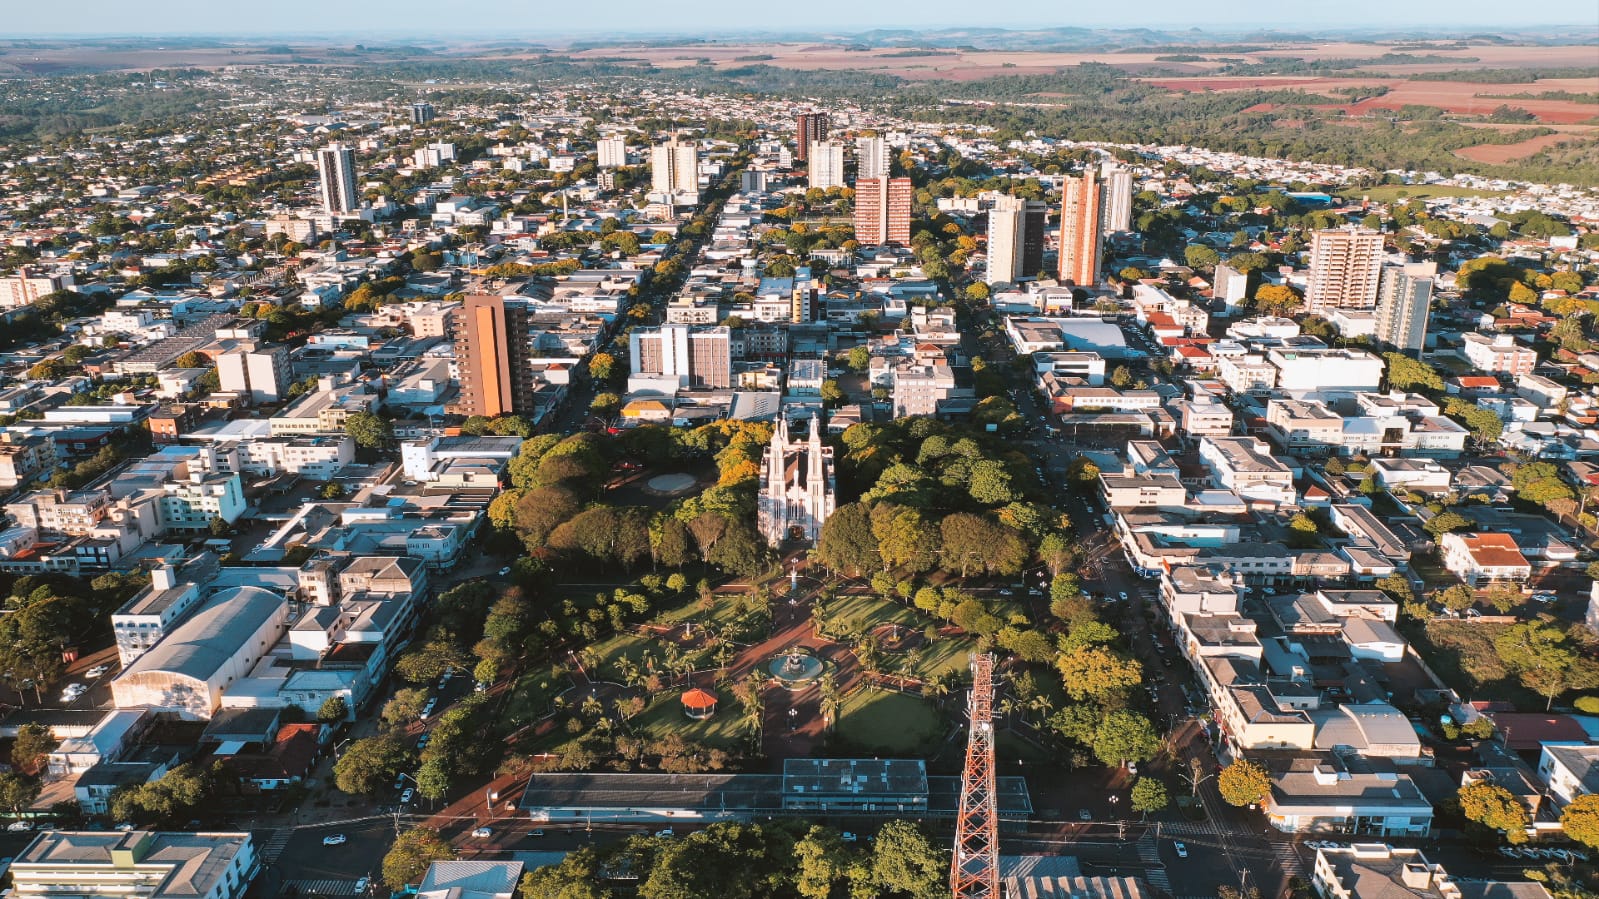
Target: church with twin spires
[{"x": 798, "y": 491}]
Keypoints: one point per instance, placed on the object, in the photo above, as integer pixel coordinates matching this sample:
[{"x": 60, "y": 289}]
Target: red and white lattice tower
[{"x": 974, "y": 870}]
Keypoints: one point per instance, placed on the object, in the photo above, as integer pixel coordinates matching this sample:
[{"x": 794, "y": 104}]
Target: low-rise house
[{"x": 1479, "y": 558}]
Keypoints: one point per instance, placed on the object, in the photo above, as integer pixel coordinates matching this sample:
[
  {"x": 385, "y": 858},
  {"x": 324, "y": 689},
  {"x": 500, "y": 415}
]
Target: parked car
[
  {"x": 407, "y": 796},
  {"x": 483, "y": 833},
  {"x": 666, "y": 832},
  {"x": 19, "y": 826},
  {"x": 505, "y": 571},
  {"x": 1182, "y": 851},
  {"x": 124, "y": 827},
  {"x": 97, "y": 671},
  {"x": 334, "y": 839},
  {"x": 536, "y": 832},
  {"x": 848, "y": 837},
  {"x": 1084, "y": 814}
]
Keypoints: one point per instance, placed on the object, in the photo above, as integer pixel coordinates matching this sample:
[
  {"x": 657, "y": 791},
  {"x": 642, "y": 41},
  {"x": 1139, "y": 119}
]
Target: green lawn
[
  {"x": 665, "y": 717},
  {"x": 1389, "y": 193},
  {"x": 944, "y": 655},
  {"x": 862, "y": 613},
  {"x": 891, "y": 723},
  {"x": 533, "y": 695}
]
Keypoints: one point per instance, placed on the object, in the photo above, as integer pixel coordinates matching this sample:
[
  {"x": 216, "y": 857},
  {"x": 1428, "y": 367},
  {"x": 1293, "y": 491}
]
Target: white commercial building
[{"x": 825, "y": 164}]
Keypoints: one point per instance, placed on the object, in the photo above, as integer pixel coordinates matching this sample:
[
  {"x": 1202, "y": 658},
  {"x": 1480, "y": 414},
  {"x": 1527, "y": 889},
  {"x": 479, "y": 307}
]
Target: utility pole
[{"x": 974, "y": 869}]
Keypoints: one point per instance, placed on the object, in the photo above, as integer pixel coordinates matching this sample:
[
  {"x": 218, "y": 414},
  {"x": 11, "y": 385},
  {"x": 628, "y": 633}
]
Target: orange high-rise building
[
  {"x": 1080, "y": 230},
  {"x": 883, "y": 210},
  {"x": 483, "y": 357}
]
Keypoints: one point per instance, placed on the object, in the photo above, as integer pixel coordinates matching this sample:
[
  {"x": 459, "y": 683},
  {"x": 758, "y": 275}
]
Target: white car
[
  {"x": 362, "y": 884},
  {"x": 334, "y": 839},
  {"x": 667, "y": 832},
  {"x": 483, "y": 833},
  {"x": 505, "y": 571},
  {"x": 407, "y": 796},
  {"x": 72, "y": 692},
  {"x": 97, "y": 671}
]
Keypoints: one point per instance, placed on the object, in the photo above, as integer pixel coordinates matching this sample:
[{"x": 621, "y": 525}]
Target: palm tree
[{"x": 829, "y": 704}]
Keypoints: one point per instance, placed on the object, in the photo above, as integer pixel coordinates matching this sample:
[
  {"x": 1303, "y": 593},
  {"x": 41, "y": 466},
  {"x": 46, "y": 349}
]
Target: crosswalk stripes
[
  {"x": 308, "y": 888},
  {"x": 1154, "y": 869},
  {"x": 1288, "y": 857},
  {"x": 1188, "y": 829},
  {"x": 272, "y": 846}
]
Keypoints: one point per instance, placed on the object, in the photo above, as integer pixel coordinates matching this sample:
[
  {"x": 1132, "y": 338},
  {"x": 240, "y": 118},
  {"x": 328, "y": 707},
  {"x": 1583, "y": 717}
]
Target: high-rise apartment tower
[
  {"x": 1345, "y": 265},
  {"x": 883, "y": 210},
  {"x": 335, "y": 167},
  {"x": 1079, "y": 230}
]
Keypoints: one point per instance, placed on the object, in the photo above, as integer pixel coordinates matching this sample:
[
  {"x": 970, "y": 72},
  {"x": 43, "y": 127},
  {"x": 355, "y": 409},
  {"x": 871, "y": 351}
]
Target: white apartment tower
[
  {"x": 335, "y": 167},
  {"x": 826, "y": 164},
  {"x": 675, "y": 168},
  {"x": 612, "y": 152},
  {"x": 798, "y": 490},
  {"x": 1345, "y": 265},
  {"x": 1015, "y": 239},
  {"x": 871, "y": 158},
  {"x": 1404, "y": 296},
  {"x": 1116, "y": 201},
  {"x": 259, "y": 375}
]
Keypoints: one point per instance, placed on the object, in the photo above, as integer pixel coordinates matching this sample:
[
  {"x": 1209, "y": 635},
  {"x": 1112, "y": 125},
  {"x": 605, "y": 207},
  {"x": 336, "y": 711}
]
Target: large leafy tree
[
  {"x": 1581, "y": 820},
  {"x": 1149, "y": 795},
  {"x": 906, "y": 863},
  {"x": 848, "y": 543},
  {"x": 1542, "y": 657},
  {"x": 1244, "y": 782},
  {"x": 409, "y": 857},
  {"x": 1095, "y": 671},
  {"x": 1125, "y": 736},
  {"x": 1494, "y": 808},
  {"x": 368, "y": 764}
]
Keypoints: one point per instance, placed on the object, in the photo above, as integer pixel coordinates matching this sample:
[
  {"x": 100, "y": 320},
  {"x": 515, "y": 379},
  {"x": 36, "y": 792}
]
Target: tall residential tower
[
  {"x": 1080, "y": 230},
  {"x": 883, "y": 210},
  {"x": 1015, "y": 239},
  {"x": 1404, "y": 295},
  {"x": 809, "y": 128},
  {"x": 335, "y": 168},
  {"x": 1345, "y": 265}
]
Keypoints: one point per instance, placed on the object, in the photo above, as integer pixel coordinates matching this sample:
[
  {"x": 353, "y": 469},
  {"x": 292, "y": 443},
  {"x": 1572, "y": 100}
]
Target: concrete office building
[
  {"x": 696, "y": 356},
  {"x": 1404, "y": 296},
  {"x": 1015, "y": 239},
  {"x": 421, "y": 113},
  {"x": 139, "y": 864},
  {"x": 612, "y": 152},
  {"x": 826, "y": 164},
  {"x": 1116, "y": 199},
  {"x": 809, "y": 128},
  {"x": 871, "y": 158},
  {"x": 1345, "y": 264},
  {"x": 883, "y": 210},
  {"x": 335, "y": 168},
  {"x": 1079, "y": 230},
  {"x": 261, "y": 375}
]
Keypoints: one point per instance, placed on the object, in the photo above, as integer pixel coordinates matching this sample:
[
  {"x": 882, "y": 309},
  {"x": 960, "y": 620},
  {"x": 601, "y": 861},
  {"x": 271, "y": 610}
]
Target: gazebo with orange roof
[{"x": 699, "y": 704}]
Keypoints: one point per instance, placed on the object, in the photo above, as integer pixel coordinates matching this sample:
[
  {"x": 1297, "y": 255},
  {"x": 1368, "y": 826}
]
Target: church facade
[{"x": 798, "y": 491}]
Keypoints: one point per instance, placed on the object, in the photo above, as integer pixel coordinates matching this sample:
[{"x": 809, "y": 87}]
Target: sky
[{"x": 711, "y": 18}]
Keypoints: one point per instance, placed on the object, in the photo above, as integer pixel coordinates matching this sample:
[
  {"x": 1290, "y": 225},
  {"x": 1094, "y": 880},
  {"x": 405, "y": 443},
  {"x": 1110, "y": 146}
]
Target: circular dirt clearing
[{"x": 671, "y": 483}]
